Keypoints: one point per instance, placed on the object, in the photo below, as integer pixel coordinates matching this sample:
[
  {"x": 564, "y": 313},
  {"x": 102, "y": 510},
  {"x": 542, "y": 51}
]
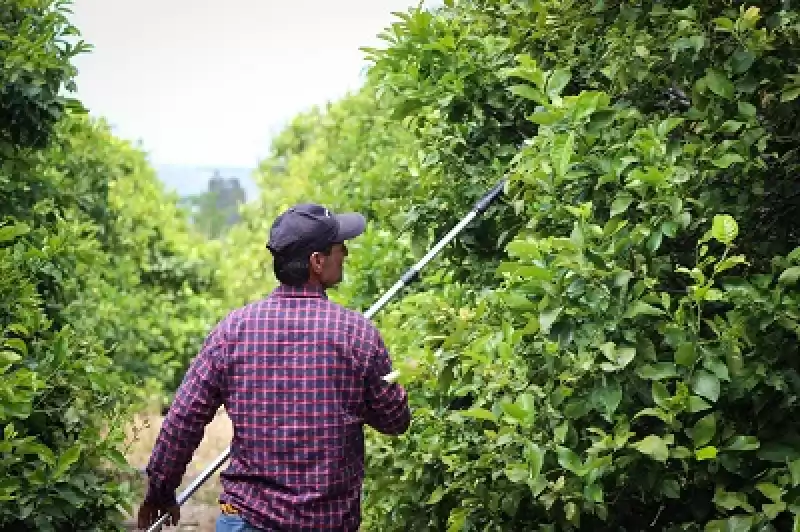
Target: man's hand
[{"x": 150, "y": 513}]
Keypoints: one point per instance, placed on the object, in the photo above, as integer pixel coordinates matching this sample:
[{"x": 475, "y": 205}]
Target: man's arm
[
  {"x": 387, "y": 409},
  {"x": 196, "y": 402}
]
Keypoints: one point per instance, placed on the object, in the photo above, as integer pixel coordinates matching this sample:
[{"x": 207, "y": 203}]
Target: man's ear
[{"x": 317, "y": 261}]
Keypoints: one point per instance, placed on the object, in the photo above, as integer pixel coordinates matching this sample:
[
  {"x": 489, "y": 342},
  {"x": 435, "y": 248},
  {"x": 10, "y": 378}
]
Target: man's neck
[
  {"x": 314, "y": 284},
  {"x": 311, "y": 286}
]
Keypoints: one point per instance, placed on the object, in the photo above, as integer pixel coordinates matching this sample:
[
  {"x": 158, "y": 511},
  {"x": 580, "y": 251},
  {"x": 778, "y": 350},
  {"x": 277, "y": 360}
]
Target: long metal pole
[{"x": 410, "y": 275}]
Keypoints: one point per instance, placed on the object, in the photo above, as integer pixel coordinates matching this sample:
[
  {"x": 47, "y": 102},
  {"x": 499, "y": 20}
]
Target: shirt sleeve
[
  {"x": 387, "y": 409},
  {"x": 196, "y": 402}
]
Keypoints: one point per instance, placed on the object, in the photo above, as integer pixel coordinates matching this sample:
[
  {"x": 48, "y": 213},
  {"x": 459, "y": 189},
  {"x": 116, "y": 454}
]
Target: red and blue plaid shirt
[{"x": 299, "y": 376}]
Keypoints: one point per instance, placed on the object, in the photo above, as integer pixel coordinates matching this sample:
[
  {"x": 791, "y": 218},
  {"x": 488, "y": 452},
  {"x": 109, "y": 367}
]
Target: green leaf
[
  {"x": 654, "y": 447},
  {"x": 587, "y": 104},
  {"x": 671, "y": 488},
  {"x": 723, "y": 24},
  {"x": 743, "y": 443},
  {"x": 457, "y": 519},
  {"x": 621, "y": 204},
  {"x": 593, "y": 493},
  {"x": 11, "y": 232},
  {"x": 668, "y": 124},
  {"x": 735, "y": 523},
  {"x": 8, "y": 486},
  {"x": 562, "y": 154},
  {"x": 526, "y": 401},
  {"x": 436, "y": 496},
  {"x": 524, "y": 249},
  {"x": 545, "y": 118},
  {"x": 794, "y": 470},
  {"x": 640, "y": 308},
  {"x": 742, "y": 60},
  {"x": 719, "y": 83},
  {"x": 669, "y": 228},
  {"x": 790, "y": 93},
  {"x": 730, "y": 126},
  {"x": 607, "y": 398},
  {"x": 7, "y": 358},
  {"x": 697, "y": 404},
  {"x": 747, "y": 109},
  {"x": 65, "y": 460},
  {"x": 790, "y": 275},
  {"x": 727, "y": 160},
  {"x": 479, "y": 413},
  {"x": 117, "y": 459},
  {"x": 724, "y": 228},
  {"x": 654, "y": 242},
  {"x": 660, "y": 394},
  {"x": 728, "y": 263},
  {"x": 704, "y": 430},
  {"x": 706, "y": 385},
  {"x": 515, "y": 411},
  {"x": 624, "y": 355},
  {"x": 548, "y": 317},
  {"x": 731, "y": 500},
  {"x": 771, "y": 491},
  {"x": 773, "y": 510},
  {"x": 657, "y": 371},
  {"x": 557, "y": 81},
  {"x": 527, "y": 92},
  {"x": 706, "y": 453},
  {"x": 569, "y": 460},
  {"x": 19, "y": 329},
  {"x": 517, "y": 473},
  {"x": 535, "y": 458},
  {"x": 685, "y": 354}
]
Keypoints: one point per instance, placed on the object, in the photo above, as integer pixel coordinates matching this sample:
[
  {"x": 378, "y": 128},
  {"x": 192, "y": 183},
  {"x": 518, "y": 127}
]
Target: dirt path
[{"x": 199, "y": 513}]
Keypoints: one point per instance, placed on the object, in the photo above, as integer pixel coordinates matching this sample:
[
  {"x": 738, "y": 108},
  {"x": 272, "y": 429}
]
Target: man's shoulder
[
  {"x": 351, "y": 318},
  {"x": 238, "y": 316},
  {"x": 349, "y": 314},
  {"x": 353, "y": 321}
]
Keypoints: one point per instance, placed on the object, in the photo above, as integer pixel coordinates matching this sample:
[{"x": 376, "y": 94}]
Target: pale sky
[{"x": 209, "y": 82}]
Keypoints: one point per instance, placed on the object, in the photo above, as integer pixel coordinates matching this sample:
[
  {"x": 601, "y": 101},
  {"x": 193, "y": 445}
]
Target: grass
[{"x": 199, "y": 513}]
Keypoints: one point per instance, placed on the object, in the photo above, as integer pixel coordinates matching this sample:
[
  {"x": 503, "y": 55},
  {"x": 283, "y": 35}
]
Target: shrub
[
  {"x": 635, "y": 366},
  {"x": 98, "y": 273},
  {"x": 613, "y": 345}
]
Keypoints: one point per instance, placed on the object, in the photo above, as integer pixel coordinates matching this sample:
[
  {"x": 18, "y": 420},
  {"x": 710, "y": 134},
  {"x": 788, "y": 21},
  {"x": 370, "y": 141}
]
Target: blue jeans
[{"x": 233, "y": 523}]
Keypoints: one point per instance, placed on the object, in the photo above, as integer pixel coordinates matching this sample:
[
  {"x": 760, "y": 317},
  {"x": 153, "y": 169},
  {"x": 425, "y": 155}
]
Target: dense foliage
[
  {"x": 613, "y": 346},
  {"x": 105, "y": 295}
]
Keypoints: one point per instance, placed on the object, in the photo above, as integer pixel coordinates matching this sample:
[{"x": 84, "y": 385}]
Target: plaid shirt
[{"x": 299, "y": 376}]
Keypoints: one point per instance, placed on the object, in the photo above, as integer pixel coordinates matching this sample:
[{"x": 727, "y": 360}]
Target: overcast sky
[{"x": 209, "y": 82}]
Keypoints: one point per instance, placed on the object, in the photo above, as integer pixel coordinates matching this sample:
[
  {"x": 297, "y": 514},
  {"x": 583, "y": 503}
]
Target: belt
[{"x": 227, "y": 509}]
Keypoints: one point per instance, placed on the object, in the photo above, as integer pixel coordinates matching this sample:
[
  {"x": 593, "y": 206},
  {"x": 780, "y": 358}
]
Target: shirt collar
[{"x": 306, "y": 291}]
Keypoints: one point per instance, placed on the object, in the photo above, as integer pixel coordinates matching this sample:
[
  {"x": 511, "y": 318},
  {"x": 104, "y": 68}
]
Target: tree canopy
[{"x": 611, "y": 346}]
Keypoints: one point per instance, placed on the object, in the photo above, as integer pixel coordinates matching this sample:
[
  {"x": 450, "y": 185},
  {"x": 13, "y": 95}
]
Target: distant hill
[{"x": 189, "y": 180}]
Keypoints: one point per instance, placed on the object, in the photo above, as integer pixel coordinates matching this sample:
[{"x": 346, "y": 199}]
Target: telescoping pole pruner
[{"x": 479, "y": 208}]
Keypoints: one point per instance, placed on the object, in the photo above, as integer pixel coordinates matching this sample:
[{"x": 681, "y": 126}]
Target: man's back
[
  {"x": 298, "y": 376},
  {"x": 297, "y": 401}
]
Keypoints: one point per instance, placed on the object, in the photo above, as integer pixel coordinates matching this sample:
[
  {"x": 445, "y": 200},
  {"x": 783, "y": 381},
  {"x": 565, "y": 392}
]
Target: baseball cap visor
[{"x": 350, "y": 226}]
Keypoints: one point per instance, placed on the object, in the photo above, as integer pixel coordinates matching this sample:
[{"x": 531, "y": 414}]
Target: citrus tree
[
  {"x": 612, "y": 346},
  {"x": 632, "y": 366},
  {"x": 105, "y": 293}
]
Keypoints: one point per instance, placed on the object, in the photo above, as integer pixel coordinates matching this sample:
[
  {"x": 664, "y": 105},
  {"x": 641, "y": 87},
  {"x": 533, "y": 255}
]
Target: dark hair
[{"x": 293, "y": 269}]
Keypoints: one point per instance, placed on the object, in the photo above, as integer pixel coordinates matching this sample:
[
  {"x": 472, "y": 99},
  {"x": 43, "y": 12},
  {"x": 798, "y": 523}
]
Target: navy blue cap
[{"x": 308, "y": 227}]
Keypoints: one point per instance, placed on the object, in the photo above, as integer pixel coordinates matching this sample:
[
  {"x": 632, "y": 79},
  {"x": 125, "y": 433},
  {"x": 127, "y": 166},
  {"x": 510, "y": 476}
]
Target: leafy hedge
[
  {"x": 105, "y": 295},
  {"x": 614, "y": 346}
]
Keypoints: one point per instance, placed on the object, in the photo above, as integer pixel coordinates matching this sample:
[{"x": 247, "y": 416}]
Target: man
[{"x": 299, "y": 376}]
